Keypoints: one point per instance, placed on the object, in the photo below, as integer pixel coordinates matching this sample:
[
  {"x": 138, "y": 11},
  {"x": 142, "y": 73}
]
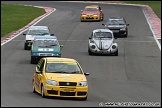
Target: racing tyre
[
  {"x": 89, "y": 51},
  {"x": 42, "y": 92},
  {"x": 25, "y": 47},
  {"x": 126, "y": 35},
  {"x": 116, "y": 53},
  {"x": 102, "y": 18},
  {"x": 33, "y": 88}
]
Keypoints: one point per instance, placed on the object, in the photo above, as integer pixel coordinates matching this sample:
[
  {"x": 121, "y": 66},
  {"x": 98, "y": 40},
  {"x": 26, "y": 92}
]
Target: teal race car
[
  {"x": 32, "y": 32},
  {"x": 45, "y": 46}
]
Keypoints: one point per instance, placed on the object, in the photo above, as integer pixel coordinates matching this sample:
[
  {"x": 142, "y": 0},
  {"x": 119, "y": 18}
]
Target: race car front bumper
[
  {"x": 64, "y": 91},
  {"x": 95, "y": 50}
]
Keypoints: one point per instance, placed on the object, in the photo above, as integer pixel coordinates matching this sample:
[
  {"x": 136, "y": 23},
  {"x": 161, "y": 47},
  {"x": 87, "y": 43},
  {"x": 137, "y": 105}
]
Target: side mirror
[
  {"x": 37, "y": 71},
  {"x": 86, "y": 74},
  {"x": 127, "y": 24},
  {"x": 81, "y": 10},
  {"x": 61, "y": 46},
  {"x": 52, "y": 34},
  {"x": 90, "y": 37},
  {"x": 103, "y": 24},
  {"x": 100, "y": 10},
  {"x": 24, "y": 33}
]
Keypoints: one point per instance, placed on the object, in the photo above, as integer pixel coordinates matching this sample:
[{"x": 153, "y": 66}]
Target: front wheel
[
  {"x": 33, "y": 88},
  {"x": 102, "y": 17},
  {"x": 89, "y": 51},
  {"x": 116, "y": 53},
  {"x": 126, "y": 34},
  {"x": 25, "y": 47},
  {"x": 42, "y": 92}
]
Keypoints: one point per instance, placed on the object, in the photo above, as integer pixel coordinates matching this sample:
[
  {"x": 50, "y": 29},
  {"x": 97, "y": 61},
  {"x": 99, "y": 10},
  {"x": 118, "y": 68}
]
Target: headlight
[
  {"x": 83, "y": 15},
  {"x": 56, "y": 54},
  {"x": 122, "y": 29},
  {"x": 95, "y": 15},
  {"x": 82, "y": 84},
  {"x": 52, "y": 82},
  {"x": 35, "y": 54},
  {"x": 91, "y": 41},
  {"x": 93, "y": 46},
  {"x": 114, "y": 46}
]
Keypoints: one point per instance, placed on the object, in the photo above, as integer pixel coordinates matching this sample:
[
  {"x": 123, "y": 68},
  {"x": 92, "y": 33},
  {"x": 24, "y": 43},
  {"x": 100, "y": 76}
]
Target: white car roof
[
  {"x": 102, "y": 30},
  {"x": 38, "y": 27}
]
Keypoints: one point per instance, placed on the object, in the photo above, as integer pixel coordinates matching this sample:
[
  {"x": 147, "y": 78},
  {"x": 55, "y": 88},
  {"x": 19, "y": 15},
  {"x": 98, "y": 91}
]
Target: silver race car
[{"x": 102, "y": 42}]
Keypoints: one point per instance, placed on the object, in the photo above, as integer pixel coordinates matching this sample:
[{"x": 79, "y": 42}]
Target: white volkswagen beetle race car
[{"x": 101, "y": 41}]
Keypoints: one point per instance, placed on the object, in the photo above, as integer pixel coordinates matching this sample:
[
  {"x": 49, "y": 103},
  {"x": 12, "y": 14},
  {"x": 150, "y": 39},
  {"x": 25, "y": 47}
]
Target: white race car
[
  {"x": 102, "y": 42},
  {"x": 32, "y": 32}
]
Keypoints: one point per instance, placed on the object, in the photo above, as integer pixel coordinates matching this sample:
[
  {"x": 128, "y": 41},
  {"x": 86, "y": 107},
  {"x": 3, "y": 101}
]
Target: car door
[{"x": 38, "y": 75}]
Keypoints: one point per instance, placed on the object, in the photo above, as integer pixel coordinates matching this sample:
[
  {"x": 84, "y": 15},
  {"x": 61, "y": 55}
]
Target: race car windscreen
[
  {"x": 115, "y": 22},
  {"x": 60, "y": 67},
  {"x": 45, "y": 42},
  {"x": 102, "y": 35},
  {"x": 38, "y": 32},
  {"x": 91, "y": 9}
]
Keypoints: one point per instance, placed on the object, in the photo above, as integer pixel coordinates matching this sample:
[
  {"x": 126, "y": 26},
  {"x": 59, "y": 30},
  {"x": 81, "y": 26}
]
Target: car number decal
[
  {"x": 65, "y": 74},
  {"x": 45, "y": 49},
  {"x": 68, "y": 89},
  {"x": 37, "y": 81}
]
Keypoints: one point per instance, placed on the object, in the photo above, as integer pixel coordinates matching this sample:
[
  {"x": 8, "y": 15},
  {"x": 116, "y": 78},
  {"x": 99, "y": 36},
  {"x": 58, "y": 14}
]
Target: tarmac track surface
[{"x": 133, "y": 76}]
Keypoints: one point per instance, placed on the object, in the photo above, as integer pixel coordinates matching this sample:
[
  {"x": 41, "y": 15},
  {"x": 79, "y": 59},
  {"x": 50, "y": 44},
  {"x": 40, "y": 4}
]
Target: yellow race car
[
  {"x": 60, "y": 77},
  {"x": 92, "y": 13}
]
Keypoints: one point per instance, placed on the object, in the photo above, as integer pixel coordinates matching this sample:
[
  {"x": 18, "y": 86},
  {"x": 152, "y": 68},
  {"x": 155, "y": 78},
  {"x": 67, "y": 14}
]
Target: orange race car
[{"x": 92, "y": 13}]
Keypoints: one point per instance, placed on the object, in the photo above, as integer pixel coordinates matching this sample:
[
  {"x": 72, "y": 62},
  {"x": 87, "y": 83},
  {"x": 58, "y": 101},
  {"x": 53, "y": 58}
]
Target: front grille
[
  {"x": 89, "y": 15},
  {"x": 45, "y": 54},
  {"x": 115, "y": 30},
  {"x": 81, "y": 93},
  {"x": 67, "y": 83},
  {"x": 89, "y": 18},
  {"x": 67, "y": 93},
  {"x": 52, "y": 92}
]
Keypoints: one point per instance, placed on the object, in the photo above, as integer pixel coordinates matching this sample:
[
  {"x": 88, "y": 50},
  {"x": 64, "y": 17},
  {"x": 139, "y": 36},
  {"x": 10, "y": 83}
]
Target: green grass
[
  {"x": 14, "y": 17},
  {"x": 155, "y": 5}
]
